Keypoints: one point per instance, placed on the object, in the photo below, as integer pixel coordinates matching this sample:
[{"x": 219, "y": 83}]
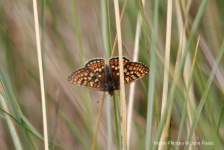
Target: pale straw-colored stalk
[
  {"x": 101, "y": 105},
  {"x": 166, "y": 67},
  {"x": 41, "y": 74},
  {"x": 191, "y": 104},
  {"x": 122, "y": 93},
  {"x": 187, "y": 65},
  {"x": 186, "y": 103},
  {"x": 132, "y": 86},
  {"x": 98, "y": 122},
  {"x": 115, "y": 40}
]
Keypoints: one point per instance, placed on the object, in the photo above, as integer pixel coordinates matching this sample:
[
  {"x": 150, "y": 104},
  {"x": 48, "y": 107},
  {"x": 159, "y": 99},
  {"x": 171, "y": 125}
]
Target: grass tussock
[{"x": 181, "y": 99}]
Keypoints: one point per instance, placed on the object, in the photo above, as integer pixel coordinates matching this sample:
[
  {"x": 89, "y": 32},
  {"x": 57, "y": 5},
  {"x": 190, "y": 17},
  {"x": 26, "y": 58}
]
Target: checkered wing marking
[
  {"x": 85, "y": 77},
  {"x": 97, "y": 66},
  {"x": 134, "y": 71},
  {"x": 114, "y": 65}
]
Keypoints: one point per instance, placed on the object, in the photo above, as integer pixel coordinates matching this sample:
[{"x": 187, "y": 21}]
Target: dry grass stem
[
  {"x": 166, "y": 66},
  {"x": 115, "y": 40},
  {"x": 132, "y": 86},
  {"x": 41, "y": 74},
  {"x": 101, "y": 106},
  {"x": 122, "y": 93},
  {"x": 191, "y": 103},
  {"x": 98, "y": 122}
]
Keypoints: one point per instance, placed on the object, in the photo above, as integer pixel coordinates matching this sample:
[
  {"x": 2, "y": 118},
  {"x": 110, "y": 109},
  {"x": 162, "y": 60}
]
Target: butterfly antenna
[
  {"x": 119, "y": 95},
  {"x": 102, "y": 98}
]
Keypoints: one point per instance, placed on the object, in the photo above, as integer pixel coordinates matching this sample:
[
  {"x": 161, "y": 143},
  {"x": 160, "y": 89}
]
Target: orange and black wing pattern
[
  {"x": 97, "y": 66},
  {"x": 115, "y": 69},
  {"x": 85, "y": 77},
  {"x": 134, "y": 71}
]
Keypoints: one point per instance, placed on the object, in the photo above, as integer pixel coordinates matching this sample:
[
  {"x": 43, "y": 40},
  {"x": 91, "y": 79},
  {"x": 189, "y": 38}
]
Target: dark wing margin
[{"x": 85, "y": 77}]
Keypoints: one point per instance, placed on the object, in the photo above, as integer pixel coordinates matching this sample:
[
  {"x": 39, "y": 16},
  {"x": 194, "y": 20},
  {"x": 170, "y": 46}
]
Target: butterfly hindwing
[
  {"x": 134, "y": 71},
  {"x": 86, "y": 77}
]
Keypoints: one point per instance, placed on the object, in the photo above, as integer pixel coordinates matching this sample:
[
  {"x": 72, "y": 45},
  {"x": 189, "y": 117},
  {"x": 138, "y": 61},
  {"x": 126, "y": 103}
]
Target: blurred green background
[{"x": 72, "y": 36}]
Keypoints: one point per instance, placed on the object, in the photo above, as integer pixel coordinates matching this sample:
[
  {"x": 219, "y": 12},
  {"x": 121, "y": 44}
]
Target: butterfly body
[{"x": 98, "y": 75}]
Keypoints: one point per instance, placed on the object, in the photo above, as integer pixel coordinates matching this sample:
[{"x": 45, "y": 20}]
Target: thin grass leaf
[
  {"x": 220, "y": 118},
  {"x": 132, "y": 86},
  {"x": 63, "y": 46},
  {"x": 205, "y": 93},
  {"x": 14, "y": 109},
  {"x": 179, "y": 68},
  {"x": 12, "y": 129},
  {"x": 27, "y": 125},
  {"x": 166, "y": 67},
  {"x": 78, "y": 32},
  {"x": 186, "y": 98},
  {"x": 32, "y": 140},
  {"x": 106, "y": 38},
  {"x": 155, "y": 108},
  {"x": 75, "y": 131},
  {"x": 152, "y": 77},
  {"x": 116, "y": 109},
  {"x": 108, "y": 35},
  {"x": 32, "y": 130}
]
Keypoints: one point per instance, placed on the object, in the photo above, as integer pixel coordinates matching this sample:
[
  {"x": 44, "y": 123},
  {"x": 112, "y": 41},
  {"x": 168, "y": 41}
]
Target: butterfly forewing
[
  {"x": 134, "y": 71},
  {"x": 86, "y": 77},
  {"x": 97, "y": 66},
  {"x": 114, "y": 65}
]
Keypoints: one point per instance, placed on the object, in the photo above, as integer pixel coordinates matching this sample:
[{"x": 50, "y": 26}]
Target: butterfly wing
[
  {"x": 134, "y": 71},
  {"x": 115, "y": 69},
  {"x": 85, "y": 77},
  {"x": 97, "y": 66}
]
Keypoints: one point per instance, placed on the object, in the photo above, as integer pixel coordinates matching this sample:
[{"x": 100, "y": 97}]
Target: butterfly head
[{"x": 111, "y": 93}]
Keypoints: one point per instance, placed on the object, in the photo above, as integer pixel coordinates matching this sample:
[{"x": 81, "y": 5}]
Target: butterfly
[{"x": 98, "y": 75}]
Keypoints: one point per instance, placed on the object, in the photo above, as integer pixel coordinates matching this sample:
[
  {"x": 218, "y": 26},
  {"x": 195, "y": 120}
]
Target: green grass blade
[
  {"x": 12, "y": 128},
  {"x": 116, "y": 122},
  {"x": 63, "y": 46},
  {"x": 185, "y": 106},
  {"x": 109, "y": 46},
  {"x": 27, "y": 125},
  {"x": 152, "y": 77},
  {"x": 32, "y": 130},
  {"x": 75, "y": 131},
  {"x": 31, "y": 140},
  {"x": 106, "y": 38},
  {"x": 180, "y": 67},
  {"x": 78, "y": 32},
  {"x": 220, "y": 118},
  {"x": 205, "y": 93},
  {"x": 14, "y": 108}
]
